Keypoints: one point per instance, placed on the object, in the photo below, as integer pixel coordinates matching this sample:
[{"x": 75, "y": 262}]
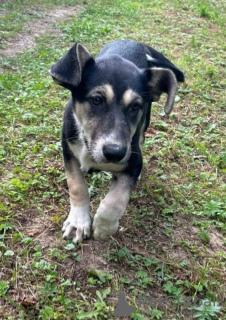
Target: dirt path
[{"x": 45, "y": 24}]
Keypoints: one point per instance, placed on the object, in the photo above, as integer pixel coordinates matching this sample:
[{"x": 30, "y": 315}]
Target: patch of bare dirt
[
  {"x": 216, "y": 243},
  {"x": 185, "y": 231},
  {"x": 43, "y": 25},
  {"x": 41, "y": 231}
]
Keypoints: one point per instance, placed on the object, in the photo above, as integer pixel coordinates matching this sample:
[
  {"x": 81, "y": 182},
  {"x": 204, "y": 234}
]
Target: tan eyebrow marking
[
  {"x": 106, "y": 90},
  {"x": 130, "y": 96}
]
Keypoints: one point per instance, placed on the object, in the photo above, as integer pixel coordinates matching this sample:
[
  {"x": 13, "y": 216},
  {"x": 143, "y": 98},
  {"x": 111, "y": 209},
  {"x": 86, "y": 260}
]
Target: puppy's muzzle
[{"x": 114, "y": 152}]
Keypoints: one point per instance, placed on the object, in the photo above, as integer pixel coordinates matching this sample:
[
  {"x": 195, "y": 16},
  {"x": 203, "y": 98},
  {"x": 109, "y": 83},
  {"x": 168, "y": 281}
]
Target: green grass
[
  {"x": 172, "y": 240},
  {"x": 15, "y": 15}
]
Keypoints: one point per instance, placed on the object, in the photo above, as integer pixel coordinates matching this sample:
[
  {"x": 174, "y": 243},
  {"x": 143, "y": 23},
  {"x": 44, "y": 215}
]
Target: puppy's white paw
[
  {"x": 77, "y": 225},
  {"x": 104, "y": 228}
]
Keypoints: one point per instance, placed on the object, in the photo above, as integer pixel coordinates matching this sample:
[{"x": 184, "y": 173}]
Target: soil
[{"x": 45, "y": 24}]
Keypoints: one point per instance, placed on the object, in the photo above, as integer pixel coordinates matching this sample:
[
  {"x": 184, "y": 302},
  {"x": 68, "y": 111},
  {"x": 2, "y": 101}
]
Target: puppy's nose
[{"x": 114, "y": 152}]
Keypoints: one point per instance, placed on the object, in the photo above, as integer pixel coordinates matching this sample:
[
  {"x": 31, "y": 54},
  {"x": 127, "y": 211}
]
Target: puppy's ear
[
  {"x": 158, "y": 60},
  {"x": 162, "y": 80},
  {"x": 67, "y": 71}
]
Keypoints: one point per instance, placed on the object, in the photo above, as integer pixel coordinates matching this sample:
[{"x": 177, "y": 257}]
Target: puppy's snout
[{"x": 114, "y": 152}]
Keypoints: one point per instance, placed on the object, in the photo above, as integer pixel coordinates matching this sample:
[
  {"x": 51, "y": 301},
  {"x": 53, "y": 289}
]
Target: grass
[
  {"x": 15, "y": 16},
  {"x": 172, "y": 237}
]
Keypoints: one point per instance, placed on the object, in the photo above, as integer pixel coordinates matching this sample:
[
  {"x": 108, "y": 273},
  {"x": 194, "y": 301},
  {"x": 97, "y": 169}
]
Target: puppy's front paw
[
  {"x": 103, "y": 228},
  {"x": 77, "y": 225}
]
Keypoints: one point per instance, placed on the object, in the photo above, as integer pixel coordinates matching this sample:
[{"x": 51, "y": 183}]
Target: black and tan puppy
[{"x": 104, "y": 124}]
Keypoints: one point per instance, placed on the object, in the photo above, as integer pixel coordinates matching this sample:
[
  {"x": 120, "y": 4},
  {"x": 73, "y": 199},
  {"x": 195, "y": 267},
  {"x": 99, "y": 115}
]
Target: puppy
[{"x": 105, "y": 122}]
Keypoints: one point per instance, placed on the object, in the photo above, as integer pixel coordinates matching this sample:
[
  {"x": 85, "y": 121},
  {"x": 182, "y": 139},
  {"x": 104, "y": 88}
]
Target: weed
[
  {"x": 207, "y": 311},
  {"x": 156, "y": 314},
  {"x": 204, "y": 236}
]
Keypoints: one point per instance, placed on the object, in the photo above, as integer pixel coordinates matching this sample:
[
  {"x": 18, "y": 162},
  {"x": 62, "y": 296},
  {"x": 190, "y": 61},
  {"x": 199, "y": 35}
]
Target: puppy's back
[{"x": 128, "y": 49}]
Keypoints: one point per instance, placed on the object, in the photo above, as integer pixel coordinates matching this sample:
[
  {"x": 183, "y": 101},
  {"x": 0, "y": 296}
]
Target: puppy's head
[{"x": 111, "y": 96}]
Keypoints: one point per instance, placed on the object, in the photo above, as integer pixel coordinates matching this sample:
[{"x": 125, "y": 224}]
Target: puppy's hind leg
[{"x": 78, "y": 222}]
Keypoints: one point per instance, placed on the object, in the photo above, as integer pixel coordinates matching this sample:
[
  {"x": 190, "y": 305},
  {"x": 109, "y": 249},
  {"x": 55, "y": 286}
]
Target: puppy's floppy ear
[
  {"x": 67, "y": 71},
  {"x": 158, "y": 60},
  {"x": 162, "y": 80}
]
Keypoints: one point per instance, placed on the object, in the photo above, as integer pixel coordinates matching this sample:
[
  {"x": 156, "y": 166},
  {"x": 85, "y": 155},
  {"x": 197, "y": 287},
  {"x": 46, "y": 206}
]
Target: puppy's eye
[
  {"x": 97, "y": 101},
  {"x": 135, "y": 106}
]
